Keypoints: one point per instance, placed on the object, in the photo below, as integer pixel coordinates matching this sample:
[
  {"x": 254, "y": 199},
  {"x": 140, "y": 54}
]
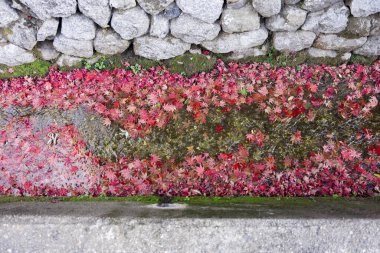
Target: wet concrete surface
[{"x": 355, "y": 209}]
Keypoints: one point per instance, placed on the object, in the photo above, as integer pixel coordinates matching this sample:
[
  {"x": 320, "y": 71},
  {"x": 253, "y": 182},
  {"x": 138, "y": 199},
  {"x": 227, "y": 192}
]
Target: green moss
[
  {"x": 36, "y": 68},
  {"x": 326, "y": 60},
  {"x": 6, "y": 31},
  {"x": 143, "y": 62},
  {"x": 360, "y": 59},
  {"x": 276, "y": 58},
  {"x": 349, "y": 35},
  {"x": 283, "y": 59},
  {"x": 37, "y": 53},
  {"x": 293, "y": 59},
  {"x": 103, "y": 62},
  {"x": 280, "y": 59},
  {"x": 190, "y": 64},
  {"x": 112, "y": 62}
]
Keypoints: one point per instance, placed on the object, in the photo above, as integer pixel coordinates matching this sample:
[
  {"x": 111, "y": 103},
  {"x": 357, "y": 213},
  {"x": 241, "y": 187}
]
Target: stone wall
[{"x": 67, "y": 31}]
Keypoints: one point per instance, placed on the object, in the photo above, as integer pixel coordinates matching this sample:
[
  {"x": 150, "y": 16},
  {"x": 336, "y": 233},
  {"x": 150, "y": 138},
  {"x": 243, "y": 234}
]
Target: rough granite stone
[
  {"x": 346, "y": 56},
  {"x": 17, "y": 5},
  {"x": 195, "y": 49},
  {"x": 359, "y": 26},
  {"x": 98, "y": 10},
  {"x": 227, "y": 42},
  {"x": 293, "y": 41},
  {"x": 292, "y": 1},
  {"x": 249, "y": 52},
  {"x": 47, "y": 51},
  {"x": 236, "y": 4},
  {"x": 364, "y": 8},
  {"x": 172, "y": 11},
  {"x": 159, "y": 26},
  {"x": 335, "y": 42},
  {"x": 321, "y": 53},
  {"x": 318, "y": 5},
  {"x": 244, "y": 19},
  {"x": 130, "y": 23},
  {"x": 375, "y": 28},
  {"x": 44, "y": 9},
  {"x": 7, "y": 14},
  {"x": 290, "y": 19},
  {"x": 333, "y": 20},
  {"x": 193, "y": 30},
  {"x": 68, "y": 61},
  {"x": 222, "y": 26},
  {"x": 206, "y": 10},
  {"x": 3, "y": 39},
  {"x": 12, "y": 55},
  {"x": 23, "y": 34},
  {"x": 78, "y": 27},
  {"x": 122, "y": 4},
  {"x": 370, "y": 48},
  {"x": 79, "y": 48},
  {"x": 267, "y": 8},
  {"x": 154, "y": 7},
  {"x": 109, "y": 42},
  {"x": 312, "y": 21},
  {"x": 48, "y": 30},
  {"x": 159, "y": 49}
]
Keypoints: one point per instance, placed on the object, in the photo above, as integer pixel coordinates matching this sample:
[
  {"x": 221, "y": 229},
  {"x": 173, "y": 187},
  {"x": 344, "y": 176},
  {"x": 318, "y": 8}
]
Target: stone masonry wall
[{"x": 67, "y": 31}]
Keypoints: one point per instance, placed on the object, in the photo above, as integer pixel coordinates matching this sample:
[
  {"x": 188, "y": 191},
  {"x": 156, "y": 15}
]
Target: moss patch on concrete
[{"x": 192, "y": 138}]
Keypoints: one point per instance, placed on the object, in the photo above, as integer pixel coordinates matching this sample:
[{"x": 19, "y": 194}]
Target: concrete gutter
[{"x": 128, "y": 227}]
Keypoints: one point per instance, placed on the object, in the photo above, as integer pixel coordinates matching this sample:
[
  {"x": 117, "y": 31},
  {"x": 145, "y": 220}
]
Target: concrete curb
[
  {"x": 45, "y": 227},
  {"x": 81, "y": 234}
]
